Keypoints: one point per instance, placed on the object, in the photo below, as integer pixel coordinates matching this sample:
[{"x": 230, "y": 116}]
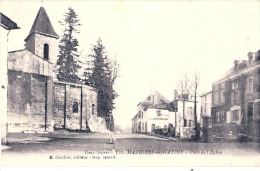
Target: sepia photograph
[{"x": 171, "y": 83}]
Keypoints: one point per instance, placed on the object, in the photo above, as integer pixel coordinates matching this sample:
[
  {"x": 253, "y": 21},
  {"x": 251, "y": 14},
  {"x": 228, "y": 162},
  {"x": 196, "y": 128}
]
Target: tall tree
[
  {"x": 102, "y": 76},
  {"x": 183, "y": 93},
  {"x": 67, "y": 63},
  {"x": 193, "y": 86}
]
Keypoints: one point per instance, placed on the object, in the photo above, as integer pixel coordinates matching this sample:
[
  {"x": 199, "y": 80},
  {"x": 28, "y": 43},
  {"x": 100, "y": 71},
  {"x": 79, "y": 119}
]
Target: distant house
[
  {"x": 154, "y": 112},
  {"x": 6, "y": 26},
  {"x": 157, "y": 112},
  {"x": 134, "y": 124},
  {"x": 206, "y": 104},
  {"x": 185, "y": 115},
  {"x": 236, "y": 97}
]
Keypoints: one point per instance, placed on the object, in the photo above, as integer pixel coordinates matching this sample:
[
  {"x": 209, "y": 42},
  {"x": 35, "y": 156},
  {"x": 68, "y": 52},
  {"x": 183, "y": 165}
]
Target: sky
[{"x": 155, "y": 42}]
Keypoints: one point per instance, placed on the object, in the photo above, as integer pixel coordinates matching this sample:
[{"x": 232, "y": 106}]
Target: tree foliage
[
  {"x": 67, "y": 63},
  {"x": 101, "y": 74},
  {"x": 187, "y": 89},
  {"x": 194, "y": 84}
]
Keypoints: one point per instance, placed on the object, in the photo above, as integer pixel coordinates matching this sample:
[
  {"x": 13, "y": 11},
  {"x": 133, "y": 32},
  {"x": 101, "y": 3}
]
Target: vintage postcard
[{"x": 130, "y": 83}]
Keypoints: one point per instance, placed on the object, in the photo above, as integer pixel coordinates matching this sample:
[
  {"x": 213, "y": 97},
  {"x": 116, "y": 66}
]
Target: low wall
[{"x": 187, "y": 132}]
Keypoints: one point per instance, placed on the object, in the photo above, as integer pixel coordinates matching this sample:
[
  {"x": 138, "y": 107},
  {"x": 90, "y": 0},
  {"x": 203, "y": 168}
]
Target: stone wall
[
  {"x": 30, "y": 44},
  {"x": 28, "y": 101},
  {"x": 25, "y": 61},
  {"x": 75, "y": 107},
  {"x": 40, "y": 40},
  {"x": 35, "y": 44},
  {"x": 36, "y": 103},
  {"x": 67, "y": 95}
]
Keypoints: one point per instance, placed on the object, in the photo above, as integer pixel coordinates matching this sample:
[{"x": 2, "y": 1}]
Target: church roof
[{"x": 42, "y": 25}]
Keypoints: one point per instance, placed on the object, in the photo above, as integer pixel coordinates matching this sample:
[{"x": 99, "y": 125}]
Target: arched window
[
  {"x": 75, "y": 107},
  {"x": 46, "y": 51},
  {"x": 93, "y": 109}
]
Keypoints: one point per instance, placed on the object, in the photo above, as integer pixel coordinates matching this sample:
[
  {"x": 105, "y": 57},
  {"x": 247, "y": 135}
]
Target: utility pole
[{"x": 175, "y": 108}]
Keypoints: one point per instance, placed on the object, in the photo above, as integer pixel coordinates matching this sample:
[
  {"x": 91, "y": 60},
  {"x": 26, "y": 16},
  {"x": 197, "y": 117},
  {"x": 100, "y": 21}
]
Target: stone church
[{"x": 37, "y": 102}]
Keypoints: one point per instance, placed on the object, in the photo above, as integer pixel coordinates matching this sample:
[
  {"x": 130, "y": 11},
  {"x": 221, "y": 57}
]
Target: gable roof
[
  {"x": 42, "y": 25},
  {"x": 158, "y": 98},
  {"x": 7, "y": 23},
  {"x": 232, "y": 72},
  {"x": 159, "y": 102}
]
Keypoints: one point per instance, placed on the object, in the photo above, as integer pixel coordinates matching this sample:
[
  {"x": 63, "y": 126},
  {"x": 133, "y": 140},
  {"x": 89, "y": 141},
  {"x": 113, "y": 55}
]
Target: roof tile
[{"x": 42, "y": 25}]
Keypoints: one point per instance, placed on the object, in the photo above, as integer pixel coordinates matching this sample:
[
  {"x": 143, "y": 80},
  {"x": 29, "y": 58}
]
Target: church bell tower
[{"x": 42, "y": 39}]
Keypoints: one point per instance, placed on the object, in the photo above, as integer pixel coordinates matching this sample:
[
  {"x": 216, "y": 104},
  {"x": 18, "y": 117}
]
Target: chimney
[
  {"x": 250, "y": 57},
  {"x": 152, "y": 94},
  {"x": 236, "y": 64},
  {"x": 175, "y": 94}
]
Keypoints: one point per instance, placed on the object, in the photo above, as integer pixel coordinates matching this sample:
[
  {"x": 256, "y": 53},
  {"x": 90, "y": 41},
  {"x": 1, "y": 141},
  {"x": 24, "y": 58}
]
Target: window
[
  {"x": 93, "y": 109},
  {"x": 201, "y": 110},
  {"x": 75, "y": 107},
  {"x": 222, "y": 92},
  {"x": 205, "y": 108},
  {"x": 220, "y": 117},
  {"x": 250, "y": 85},
  {"x": 215, "y": 94},
  {"x": 152, "y": 128},
  {"x": 235, "y": 85},
  {"x": 189, "y": 111},
  {"x": 46, "y": 51},
  {"x": 234, "y": 97},
  {"x": 190, "y": 123},
  {"x": 158, "y": 112},
  {"x": 234, "y": 93},
  {"x": 142, "y": 114},
  {"x": 235, "y": 115}
]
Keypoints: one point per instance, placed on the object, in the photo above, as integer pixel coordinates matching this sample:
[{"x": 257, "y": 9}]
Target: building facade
[
  {"x": 156, "y": 112},
  {"x": 36, "y": 101},
  {"x": 6, "y": 26},
  {"x": 236, "y": 97},
  {"x": 185, "y": 116},
  {"x": 206, "y": 104},
  {"x": 30, "y": 78}
]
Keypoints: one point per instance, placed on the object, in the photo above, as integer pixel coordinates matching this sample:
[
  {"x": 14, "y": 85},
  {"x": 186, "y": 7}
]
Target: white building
[
  {"x": 156, "y": 112},
  {"x": 6, "y": 26},
  {"x": 206, "y": 104}
]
